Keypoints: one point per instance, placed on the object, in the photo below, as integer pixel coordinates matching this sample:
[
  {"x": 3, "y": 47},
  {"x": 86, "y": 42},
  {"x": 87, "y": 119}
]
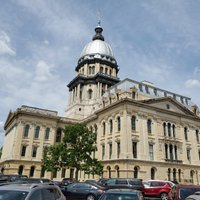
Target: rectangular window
[
  {"x": 23, "y": 153},
  {"x": 134, "y": 149},
  {"x": 63, "y": 172},
  {"x": 47, "y": 133},
  {"x": 197, "y": 135},
  {"x": 185, "y": 133},
  {"x": 110, "y": 150},
  {"x": 188, "y": 155},
  {"x": 37, "y": 131},
  {"x": 151, "y": 154},
  {"x": 34, "y": 152},
  {"x": 103, "y": 151},
  {"x": 118, "y": 149}
]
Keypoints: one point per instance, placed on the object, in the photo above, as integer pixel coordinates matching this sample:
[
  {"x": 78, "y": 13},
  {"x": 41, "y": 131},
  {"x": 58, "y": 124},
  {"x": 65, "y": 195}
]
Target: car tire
[
  {"x": 163, "y": 196},
  {"x": 90, "y": 197}
]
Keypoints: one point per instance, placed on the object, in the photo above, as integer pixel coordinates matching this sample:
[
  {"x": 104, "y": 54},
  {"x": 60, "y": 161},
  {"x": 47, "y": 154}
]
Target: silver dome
[{"x": 97, "y": 47}]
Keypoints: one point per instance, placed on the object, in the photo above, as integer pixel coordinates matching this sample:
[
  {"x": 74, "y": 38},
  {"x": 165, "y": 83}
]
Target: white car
[
  {"x": 195, "y": 196},
  {"x": 30, "y": 192}
]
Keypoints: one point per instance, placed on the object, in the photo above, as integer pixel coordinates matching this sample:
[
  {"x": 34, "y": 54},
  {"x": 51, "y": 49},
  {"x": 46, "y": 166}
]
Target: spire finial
[{"x": 98, "y": 30}]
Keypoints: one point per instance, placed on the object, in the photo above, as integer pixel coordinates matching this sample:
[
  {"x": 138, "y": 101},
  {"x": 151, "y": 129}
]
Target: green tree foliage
[{"x": 75, "y": 151}]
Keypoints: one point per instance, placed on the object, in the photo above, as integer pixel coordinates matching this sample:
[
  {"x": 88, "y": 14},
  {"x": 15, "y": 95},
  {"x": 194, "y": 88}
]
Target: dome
[{"x": 97, "y": 47}]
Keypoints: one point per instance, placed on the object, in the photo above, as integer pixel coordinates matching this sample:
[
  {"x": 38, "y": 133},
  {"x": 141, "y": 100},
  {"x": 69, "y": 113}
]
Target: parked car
[
  {"x": 157, "y": 188},
  {"x": 11, "y": 177},
  {"x": 113, "y": 183},
  {"x": 180, "y": 192},
  {"x": 195, "y": 196},
  {"x": 83, "y": 191},
  {"x": 122, "y": 194},
  {"x": 67, "y": 181},
  {"x": 30, "y": 192},
  {"x": 37, "y": 180}
]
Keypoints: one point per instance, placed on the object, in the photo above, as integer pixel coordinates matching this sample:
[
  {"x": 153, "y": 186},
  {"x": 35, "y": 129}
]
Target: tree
[
  {"x": 76, "y": 151},
  {"x": 52, "y": 157},
  {"x": 81, "y": 145}
]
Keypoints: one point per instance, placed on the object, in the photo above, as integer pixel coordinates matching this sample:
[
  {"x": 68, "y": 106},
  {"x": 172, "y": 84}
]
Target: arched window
[
  {"x": 133, "y": 123},
  {"x": 197, "y": 135},
  {"x": 118, "y": 123},
  {"x": 58, "y": 135},
  {"x": 117, "y": 171},
  {"x": 106, "y": 71},
  {"x": 90, "y": 94},
  {"x": 192, "y": 176},
  {"x": 171, "y": 152},
  {"x": 37, "y": 131},
  {"x": 185, "y": 133},
  {"x": 111, "y": 125},
  {"x": 149, "y": 126},
  {"x": 174, "y": 130},
  {"x": 26, "y": 130},
  {"x": 101, "y": 70},
  {"x": 175, "y": 152},
  {"x": 174, "y": 174},
  {"x": 164, "y": 129},
  {"x": 166, "y": 151},
  {"x": 32, "y": 170},
  {"x": 110, "y": 72},
  {"x": 47, "y": 133},
  {"x": 135, "y": 172},
  {"x": 93, "y": 70},
  {"x": 169, "y": 129},
  {"x": 118, "y": 149},
  {"x": 90, "y": 70},
  {"x": 20, "y": 170},
  {"x": 179, "y": 175},
  {"x": 109, "y": 171},
  {"x": 169, "y": 174},
  {"x": 104, "y": 128},
  {"x": 152, "y": 173}
]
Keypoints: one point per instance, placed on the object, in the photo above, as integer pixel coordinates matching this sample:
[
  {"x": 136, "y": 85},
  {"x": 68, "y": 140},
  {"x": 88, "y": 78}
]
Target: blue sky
[{"x": 41, "y": 41}]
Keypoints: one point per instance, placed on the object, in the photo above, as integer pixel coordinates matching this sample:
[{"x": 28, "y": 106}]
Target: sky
[{"x": 41, "y": 42}]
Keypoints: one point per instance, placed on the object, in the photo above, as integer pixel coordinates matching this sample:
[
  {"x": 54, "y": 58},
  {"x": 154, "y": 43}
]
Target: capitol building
[{"x": 143, "y": 131}]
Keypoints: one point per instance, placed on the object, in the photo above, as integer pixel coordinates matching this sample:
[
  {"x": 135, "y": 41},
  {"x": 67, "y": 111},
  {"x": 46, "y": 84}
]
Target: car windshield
[
  {"x": 119, "y": 197},
  {"x": 12, "y": 195},
  {"x": 185, "y": 192}
]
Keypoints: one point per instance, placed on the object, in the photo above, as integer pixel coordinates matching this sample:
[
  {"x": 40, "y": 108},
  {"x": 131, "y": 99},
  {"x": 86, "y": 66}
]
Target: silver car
[{"x": 31, "y": 192}]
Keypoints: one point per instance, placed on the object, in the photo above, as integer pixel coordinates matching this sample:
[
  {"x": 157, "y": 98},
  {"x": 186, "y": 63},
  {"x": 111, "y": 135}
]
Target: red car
[
  {"x": 180, "y": 192},
  {"x": 157, "y": 188}
]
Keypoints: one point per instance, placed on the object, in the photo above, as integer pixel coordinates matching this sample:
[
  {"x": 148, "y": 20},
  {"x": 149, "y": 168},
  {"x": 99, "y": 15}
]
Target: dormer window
[{"x": 168, "y": 106}]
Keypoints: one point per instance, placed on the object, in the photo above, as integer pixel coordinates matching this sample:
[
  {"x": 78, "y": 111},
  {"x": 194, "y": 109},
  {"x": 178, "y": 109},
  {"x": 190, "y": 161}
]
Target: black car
[
  {"x": 135, "y": 184},
  {"x": 122, "y": 194},
  {"x": 83, "y": 191},
  {"x": 67, "y": 181}
]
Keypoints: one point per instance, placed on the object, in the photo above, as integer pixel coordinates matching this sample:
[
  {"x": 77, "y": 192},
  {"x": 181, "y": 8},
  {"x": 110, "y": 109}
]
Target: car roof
[
  {"x": 122, "y": 191},
  {"x": 24, "y": 187}
]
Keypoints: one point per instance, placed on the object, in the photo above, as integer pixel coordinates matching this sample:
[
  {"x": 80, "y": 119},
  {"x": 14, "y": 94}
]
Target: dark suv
[{"x": 113, "y": 183}]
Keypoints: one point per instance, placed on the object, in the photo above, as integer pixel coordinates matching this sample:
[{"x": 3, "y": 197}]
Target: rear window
[
  {"x": 119, "y": 197},
  {"x": 12, "y": 195},
  {"x": 121, "y": 181},
  {"x": 134, "y": 182},
  {"x": 185, "y": 192}
]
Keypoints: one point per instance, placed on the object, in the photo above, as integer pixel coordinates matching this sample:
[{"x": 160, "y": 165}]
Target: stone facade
[{"x": 142, "y": 131}]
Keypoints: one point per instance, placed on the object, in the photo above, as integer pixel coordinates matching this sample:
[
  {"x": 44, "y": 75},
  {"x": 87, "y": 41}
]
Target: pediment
[{"x": 170, "y": 104}]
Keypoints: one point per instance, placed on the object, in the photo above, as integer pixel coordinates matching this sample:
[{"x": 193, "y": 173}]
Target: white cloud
[
  {"x": 43, "y": 72},
  {"x": 192, "y": 83},
  {"x": 5, "y": 47}
]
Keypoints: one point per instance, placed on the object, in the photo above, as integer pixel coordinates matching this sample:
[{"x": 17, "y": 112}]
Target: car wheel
[
  {"x": 163, "y": 196},
  {"x": 90, "y": 197}
]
